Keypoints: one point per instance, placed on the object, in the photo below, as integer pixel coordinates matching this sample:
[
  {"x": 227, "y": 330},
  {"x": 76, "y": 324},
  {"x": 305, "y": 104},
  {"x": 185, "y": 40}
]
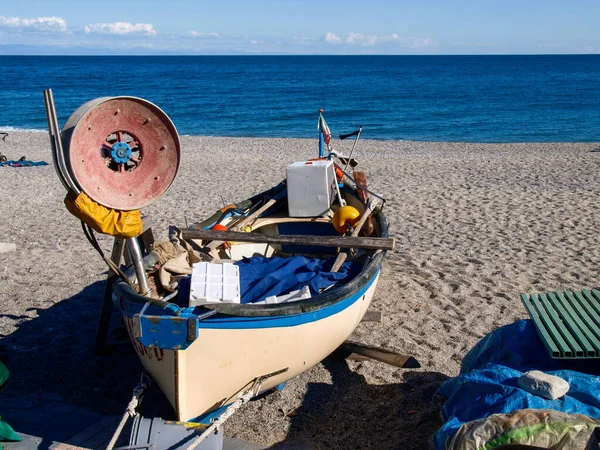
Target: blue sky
[{"x": 299, "y": 27}]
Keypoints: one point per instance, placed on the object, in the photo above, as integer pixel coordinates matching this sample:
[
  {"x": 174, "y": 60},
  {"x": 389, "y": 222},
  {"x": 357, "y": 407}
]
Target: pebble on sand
[{"x": 6, "y": 247}]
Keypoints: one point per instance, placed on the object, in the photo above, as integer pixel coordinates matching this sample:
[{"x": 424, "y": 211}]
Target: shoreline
[
  {"x": 475, "y": 225},
  {"x": 337, "y": 143}
]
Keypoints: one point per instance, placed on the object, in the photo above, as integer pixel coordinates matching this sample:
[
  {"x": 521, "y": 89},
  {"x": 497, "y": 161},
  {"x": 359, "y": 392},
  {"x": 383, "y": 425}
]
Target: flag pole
[
  {"x": 354, "y": 145},
  {"x": 321, "y": 140}
]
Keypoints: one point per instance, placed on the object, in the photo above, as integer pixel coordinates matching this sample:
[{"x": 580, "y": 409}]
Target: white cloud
[
  {"x": 351, "y": 39},
  {"x": 37, "y": 23},
  {"x": 121, "y": 28},
  {"x": 371, "y": 40},
  {"x": 201, "y": 35}
]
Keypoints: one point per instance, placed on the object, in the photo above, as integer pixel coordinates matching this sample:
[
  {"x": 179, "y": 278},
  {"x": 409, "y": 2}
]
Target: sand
[{"x": 475, "y": 225}]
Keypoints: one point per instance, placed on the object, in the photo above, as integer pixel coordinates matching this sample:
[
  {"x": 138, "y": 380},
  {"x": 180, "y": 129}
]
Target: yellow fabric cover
[{"x": 121, "y": 224}]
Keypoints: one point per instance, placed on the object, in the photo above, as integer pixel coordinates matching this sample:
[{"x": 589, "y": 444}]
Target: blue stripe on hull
[
  {"x": 161, "y": 329},
  {"x": 228, "y": 322}
]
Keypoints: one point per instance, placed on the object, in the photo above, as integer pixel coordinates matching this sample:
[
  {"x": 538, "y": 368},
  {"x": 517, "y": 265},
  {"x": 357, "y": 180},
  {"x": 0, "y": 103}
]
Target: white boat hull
[{"x": 224, "y": 361}]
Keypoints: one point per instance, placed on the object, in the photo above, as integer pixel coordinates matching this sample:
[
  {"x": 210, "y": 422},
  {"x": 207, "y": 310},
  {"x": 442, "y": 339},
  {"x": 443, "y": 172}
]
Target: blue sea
[{"x": 429, "y": 98}]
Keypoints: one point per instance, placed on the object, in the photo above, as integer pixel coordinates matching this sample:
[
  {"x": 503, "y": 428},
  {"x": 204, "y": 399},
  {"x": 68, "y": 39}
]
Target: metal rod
[
  {"x": 52, "y": 133},
  {"x": 58, "y": 148},
  {"x": 106, "y": 309},
  {"x": 353, "y": 145},
  {"x": 136, "y": 255}
]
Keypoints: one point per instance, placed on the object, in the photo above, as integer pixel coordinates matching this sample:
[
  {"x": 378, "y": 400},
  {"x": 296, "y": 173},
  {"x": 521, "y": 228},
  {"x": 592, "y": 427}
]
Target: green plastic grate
[{"x": 567, "y": 322}]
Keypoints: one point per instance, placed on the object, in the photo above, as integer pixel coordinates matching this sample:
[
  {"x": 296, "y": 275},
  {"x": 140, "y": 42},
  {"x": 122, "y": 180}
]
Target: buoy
[
  {"x": 345, "y": 217},
  {"x": 219, "y": 227}
]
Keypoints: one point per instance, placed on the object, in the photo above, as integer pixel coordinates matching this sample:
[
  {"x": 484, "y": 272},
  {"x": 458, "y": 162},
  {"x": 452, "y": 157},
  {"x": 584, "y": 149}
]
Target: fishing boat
[{"x": 278, "y": 281}]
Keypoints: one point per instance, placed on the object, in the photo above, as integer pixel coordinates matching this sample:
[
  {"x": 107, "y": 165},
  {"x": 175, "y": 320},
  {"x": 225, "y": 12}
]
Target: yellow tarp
[{"x": 121, "y": 224}]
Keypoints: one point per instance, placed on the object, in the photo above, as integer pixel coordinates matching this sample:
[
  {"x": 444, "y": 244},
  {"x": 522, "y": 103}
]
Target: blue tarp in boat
[
  {"x": 489, "y": 374},
  {"x": 261, "y": 277}
]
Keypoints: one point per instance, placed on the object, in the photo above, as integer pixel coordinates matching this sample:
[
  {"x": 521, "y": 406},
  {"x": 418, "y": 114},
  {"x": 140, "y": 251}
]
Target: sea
[{"x": 520, "y": 98}]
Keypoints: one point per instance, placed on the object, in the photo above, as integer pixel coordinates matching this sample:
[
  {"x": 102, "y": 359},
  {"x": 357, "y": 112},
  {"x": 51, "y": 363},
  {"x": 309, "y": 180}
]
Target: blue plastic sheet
[
  {"x": 261, "y": 277},
  {"x": 489, "y": 374},
  {"x": 23, "y": 163}
]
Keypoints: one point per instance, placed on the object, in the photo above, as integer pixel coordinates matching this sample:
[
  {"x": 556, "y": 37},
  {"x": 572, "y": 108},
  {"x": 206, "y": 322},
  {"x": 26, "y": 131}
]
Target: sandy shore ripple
[{"x": 475, "y": 224}]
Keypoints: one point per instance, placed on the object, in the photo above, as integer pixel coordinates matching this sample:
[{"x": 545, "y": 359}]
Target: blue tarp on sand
[
  {"x": 23, "y": 163},
  {"x": 489, "y": 374}
]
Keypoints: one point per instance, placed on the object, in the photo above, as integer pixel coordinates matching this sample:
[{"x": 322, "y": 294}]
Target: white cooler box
[{"x": 310, "y": 187}]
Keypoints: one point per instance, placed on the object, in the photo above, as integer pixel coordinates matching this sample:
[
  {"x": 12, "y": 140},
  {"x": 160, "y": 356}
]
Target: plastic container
[
  {"x": 291, "y": 297},
  {"x": 310, "y": 188},
  {"x": 213, "y": 282}
]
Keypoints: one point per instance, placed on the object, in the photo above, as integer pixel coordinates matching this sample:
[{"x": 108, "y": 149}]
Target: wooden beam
[
  {"x": 382, "y": 355},
  {"x": 341, "y": 257},
  {"x": 372, "y": 316},
  {"x": 372, "y": 243},
  {"x": 245, "y": 221}
]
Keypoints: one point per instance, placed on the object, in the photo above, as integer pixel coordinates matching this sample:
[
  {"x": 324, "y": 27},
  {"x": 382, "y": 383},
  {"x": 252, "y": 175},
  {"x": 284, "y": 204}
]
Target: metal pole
[
  {"x": 321, "y": 140},
  {"x": 106, "y": 309},
  {"x": 136, "y": 255},
  {"x": 63, "y": 171},
  {"x": 353, "y": 145},
  {"x": 52, "y": 133}
]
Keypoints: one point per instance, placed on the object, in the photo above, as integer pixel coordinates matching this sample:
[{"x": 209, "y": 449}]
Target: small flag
[
  {"x": 323, "y": 128},
  {"x": 345, "y": 136}
]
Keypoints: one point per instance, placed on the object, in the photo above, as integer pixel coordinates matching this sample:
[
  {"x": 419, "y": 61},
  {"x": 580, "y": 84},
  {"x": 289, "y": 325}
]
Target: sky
[{"x": 422, "y": 27}]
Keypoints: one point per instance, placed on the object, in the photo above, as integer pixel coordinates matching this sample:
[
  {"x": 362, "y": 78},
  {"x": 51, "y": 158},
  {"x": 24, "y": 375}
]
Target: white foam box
[
  {"x": 293, "y": 296},
  {"x": 214, "y": 283},
  {"x": 310, "y": 187}
]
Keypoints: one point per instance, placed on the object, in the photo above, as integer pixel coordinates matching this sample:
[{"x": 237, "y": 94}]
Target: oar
[
  {"x": 341, "y": 257},
  {"x": 242, "y": 223}
]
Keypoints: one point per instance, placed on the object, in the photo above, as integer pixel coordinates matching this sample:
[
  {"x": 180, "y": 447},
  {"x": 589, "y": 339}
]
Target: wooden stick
[
  {"x": 245, "y": 221},
  {"x": 341, "y": 257},
  {"x": 372, "y": 243},
  {"x": 383, "y": 355},
  {"x": 361, "y": 179}
]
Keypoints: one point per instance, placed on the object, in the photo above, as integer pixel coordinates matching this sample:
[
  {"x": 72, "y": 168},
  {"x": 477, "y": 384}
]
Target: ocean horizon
[{"x": 458, "y": 98}]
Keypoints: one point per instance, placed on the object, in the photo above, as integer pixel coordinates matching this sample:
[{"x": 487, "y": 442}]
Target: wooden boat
[
  {"x": 204, "y": 357},
  {"x": 123, "y": 153}
]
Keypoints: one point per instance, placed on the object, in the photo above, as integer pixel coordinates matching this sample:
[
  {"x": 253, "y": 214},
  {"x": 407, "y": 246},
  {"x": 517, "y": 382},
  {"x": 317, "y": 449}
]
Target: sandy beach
[{"x": 475, "y": 225}]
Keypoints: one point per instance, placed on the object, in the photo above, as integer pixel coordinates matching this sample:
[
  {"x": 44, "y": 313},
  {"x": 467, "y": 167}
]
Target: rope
[
  {"x": 136, "y": 399},
  {"x": 231, "y": 409}
]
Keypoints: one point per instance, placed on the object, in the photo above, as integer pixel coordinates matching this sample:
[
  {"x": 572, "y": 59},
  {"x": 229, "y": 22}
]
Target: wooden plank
[
  {"x": 543, "y": 332},
  {"x": 242, "y": 223},
  {"x": 560, "y": 325},
  {"x": 565, "y": 350},
  {"x": 372, "y": 243},
  {"x": 382, "y": 355},
  {"x": 372, "y": 316},
  {"x": 572, "y": 323},
  {"x": 588, "y": 334},
  {"x": 341, "y": 257},
  {"x": 361, "y": 179},
  {"x": 589, "y": 322},
  {"x": 592, "y": 299},
  {"x": 588, "y": 308}
]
